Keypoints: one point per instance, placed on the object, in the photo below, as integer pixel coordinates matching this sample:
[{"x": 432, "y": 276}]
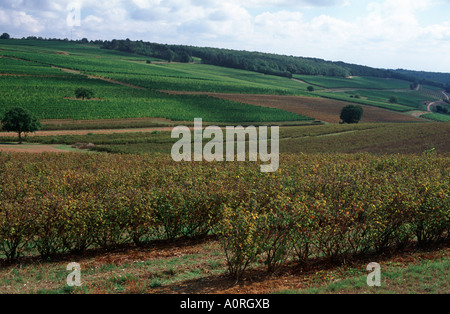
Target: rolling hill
[{"x": 42, "y": 75}]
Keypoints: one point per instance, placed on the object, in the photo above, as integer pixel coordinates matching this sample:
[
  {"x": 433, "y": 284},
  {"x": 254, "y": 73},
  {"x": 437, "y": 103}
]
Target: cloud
[
  {"x": 382, "y": 33},
  {"x": 20, "y": 20}
]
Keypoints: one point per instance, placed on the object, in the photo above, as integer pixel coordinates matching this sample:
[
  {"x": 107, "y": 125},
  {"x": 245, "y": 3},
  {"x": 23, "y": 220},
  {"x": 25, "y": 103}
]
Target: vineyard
[
  {"x": 342, "y": 191},
  {"x": 53, "y": 69},
  {"x": 53, "y": 98},
  {"x": 354, "y": 82},
  {"x": 318, "y": 205}
]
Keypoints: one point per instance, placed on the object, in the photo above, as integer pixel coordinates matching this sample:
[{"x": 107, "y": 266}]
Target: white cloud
[
  {"x": 22, "y": 20},
  {"x": 384, "y": 33}
]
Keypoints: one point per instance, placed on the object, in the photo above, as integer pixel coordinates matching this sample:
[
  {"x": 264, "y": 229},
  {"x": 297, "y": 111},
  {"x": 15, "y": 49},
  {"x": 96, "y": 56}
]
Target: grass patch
[
  {"x": 427, "y": 277},
  {"x": 437, "y": 117}
]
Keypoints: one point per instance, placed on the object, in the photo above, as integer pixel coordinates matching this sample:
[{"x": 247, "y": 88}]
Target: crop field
[
  {"x": 438, "y": 117},
  {"x": 412, "y": 99},
  {"x": 158, "y": 75},
  {"x": 375, "y": 138},
  {"x": 385, "y": 104},
  {"x": 28, "y": 57},
  {"x": 353, "y": 82},
  {"x": 327, "y": 110},
  {"x": 101, "y": 188},
  {"x": 83, "y": 201},
  {"x": 323, "y": 109},
  {"x": 53, "y": 98}
]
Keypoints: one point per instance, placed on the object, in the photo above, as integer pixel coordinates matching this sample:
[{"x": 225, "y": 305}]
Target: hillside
[
  {"x": 266, "y": 63},
  {"x": 98, "y": 186},
  {"x": 442, "y": 78},
  {"x": 42, "y": 76}
]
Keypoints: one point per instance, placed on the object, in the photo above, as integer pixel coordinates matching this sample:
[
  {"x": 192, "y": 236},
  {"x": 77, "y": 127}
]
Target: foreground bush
[{"x": 316, "y": 205}]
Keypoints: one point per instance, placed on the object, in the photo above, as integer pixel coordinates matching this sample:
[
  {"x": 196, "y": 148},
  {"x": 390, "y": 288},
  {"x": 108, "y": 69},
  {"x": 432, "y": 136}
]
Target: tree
[
  {"x": 393, "y": 100},
  {"x": 351, "y": 114},
  {"x": 84, "y": 93},
  {"x": 311, "y": 88},
  {"x": 5, "y": 36},
  {"x": 21, "y": 121}
]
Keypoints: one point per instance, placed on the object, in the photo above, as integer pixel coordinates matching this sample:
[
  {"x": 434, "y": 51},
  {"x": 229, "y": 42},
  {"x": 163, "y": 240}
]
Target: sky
[{"x": 390, "y": 34}]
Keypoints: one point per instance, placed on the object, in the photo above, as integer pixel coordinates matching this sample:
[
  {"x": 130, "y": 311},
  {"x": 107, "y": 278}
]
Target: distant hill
[
  {"x": 443, "y": 78},
  {"x": 266, "y": 63},
  {"x": 273, "y": 64}
]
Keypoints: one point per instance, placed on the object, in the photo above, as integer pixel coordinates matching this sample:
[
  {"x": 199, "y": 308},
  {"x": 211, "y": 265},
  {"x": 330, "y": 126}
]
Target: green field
[
  {"x": 438, "y": 117},
  {"x": 32, "y": 78},
  {"x": 34, "y": 84},
  {"x": 354, "y": 82},
  {"x": 53, "y": 98}
]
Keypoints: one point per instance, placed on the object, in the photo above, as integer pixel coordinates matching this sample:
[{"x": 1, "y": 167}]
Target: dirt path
[
  {"x": 434, "y": 103},
  {"x": 418, "y": 114},
  {"x": 300, "y": 81}
]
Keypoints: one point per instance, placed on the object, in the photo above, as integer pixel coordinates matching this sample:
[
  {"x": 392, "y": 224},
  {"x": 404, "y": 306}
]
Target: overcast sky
[{"x": 410, "y": 34}]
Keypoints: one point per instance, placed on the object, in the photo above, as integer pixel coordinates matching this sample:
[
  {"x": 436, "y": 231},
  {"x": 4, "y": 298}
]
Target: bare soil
[{"x": 326, "y": 110}]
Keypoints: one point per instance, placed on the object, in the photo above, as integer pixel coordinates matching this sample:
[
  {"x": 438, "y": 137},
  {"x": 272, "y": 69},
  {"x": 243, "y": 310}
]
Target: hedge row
[{"x": 317, "y": 205}]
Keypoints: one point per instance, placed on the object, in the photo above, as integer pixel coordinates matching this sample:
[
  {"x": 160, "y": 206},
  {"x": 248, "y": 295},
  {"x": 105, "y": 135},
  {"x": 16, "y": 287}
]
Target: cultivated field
[
  {"x": 327, "y": 110},
  {"x": 138, "y": 222}
]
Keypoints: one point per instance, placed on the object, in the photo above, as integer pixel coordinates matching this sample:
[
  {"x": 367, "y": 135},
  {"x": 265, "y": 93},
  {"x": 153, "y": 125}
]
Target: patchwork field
[
  {"x": 327, "y": 110},
  {"x": 38, "y": 76},
  {"x": 101, "y": 188}
]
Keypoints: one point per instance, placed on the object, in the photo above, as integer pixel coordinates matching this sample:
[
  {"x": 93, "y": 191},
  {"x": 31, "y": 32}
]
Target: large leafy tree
[
  {"x": 352, "y": 114},
  {"x": 21, "y": 121}
]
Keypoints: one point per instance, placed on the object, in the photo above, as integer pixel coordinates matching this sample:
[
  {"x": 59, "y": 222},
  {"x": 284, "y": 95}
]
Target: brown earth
[{"x": 326, "y": 110}]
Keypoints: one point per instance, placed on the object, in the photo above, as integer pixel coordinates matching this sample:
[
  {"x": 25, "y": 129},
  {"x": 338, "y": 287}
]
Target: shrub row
[{"x": 316, "y": 205}]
